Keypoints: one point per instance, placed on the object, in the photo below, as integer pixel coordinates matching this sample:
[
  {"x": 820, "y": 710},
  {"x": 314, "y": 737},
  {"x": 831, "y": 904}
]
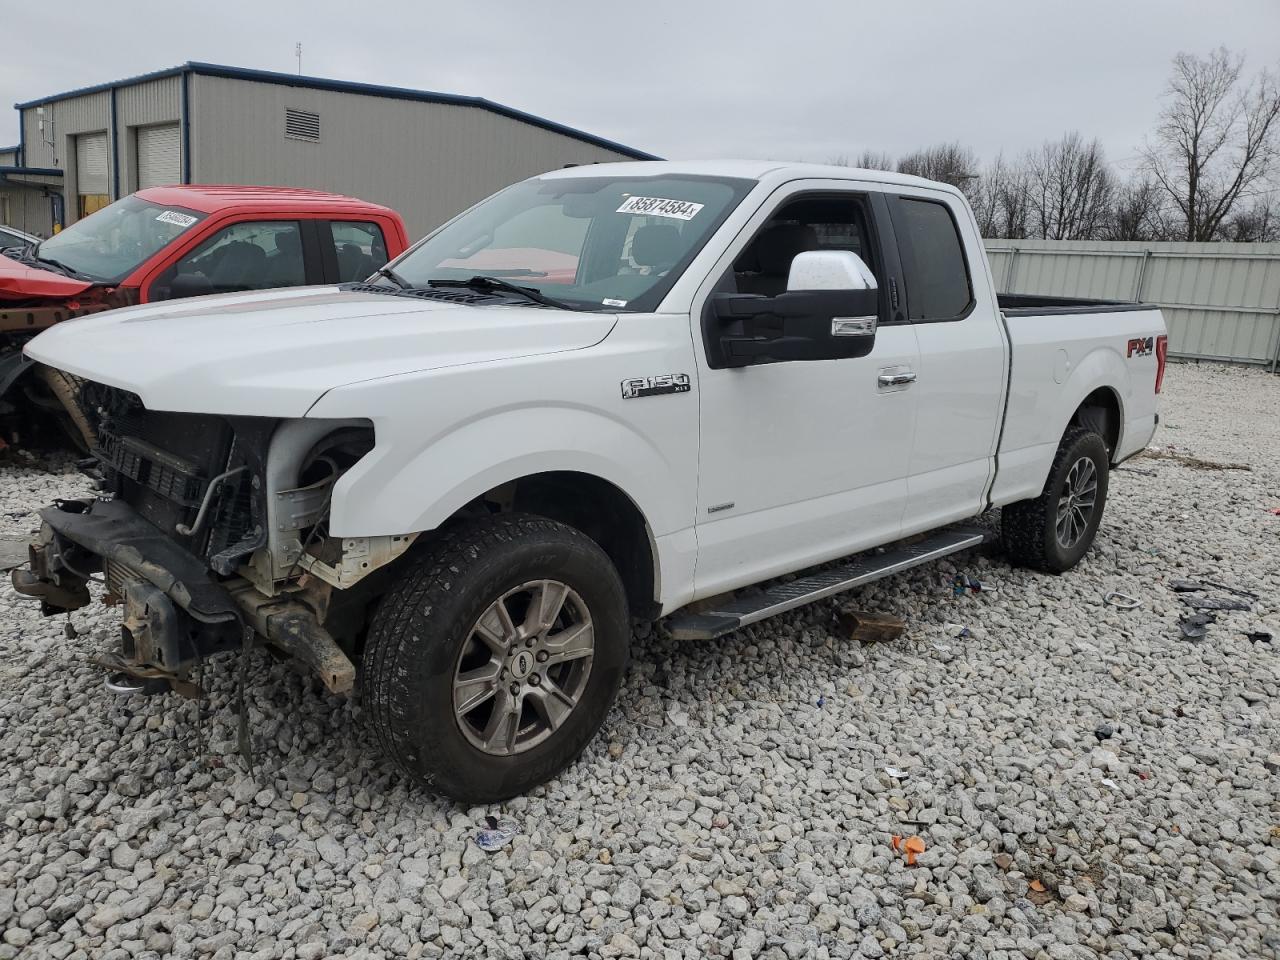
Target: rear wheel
[
  {"x": 492, "y": 663},
  {"x": 1053, "y": 531}
]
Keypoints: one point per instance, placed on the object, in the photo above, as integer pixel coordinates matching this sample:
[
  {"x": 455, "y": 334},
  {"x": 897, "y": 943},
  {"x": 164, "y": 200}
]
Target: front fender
[{"x": 403, "y": 487}]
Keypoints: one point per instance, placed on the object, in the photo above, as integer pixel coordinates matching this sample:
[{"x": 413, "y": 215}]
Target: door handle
[{"x": 897, "y": 379}]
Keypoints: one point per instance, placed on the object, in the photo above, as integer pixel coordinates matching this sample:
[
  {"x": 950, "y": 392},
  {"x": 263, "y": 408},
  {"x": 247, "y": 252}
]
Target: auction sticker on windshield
[
  {"x": 658, "y": 207},
  {"x": 176, "y": 218}
]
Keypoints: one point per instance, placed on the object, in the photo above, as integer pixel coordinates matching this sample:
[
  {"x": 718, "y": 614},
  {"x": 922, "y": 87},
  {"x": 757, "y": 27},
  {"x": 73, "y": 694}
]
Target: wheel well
[
  {"x": 1100, "y": 411},
  {"x": 598, "y": 509}
]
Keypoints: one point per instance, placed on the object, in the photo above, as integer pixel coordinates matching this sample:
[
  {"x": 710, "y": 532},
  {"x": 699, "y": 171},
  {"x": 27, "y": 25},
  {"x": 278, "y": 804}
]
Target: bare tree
[
  {"x": 874, "y": 160},
  {"x": 866, "y": 160},
  {"x": 1136, "y": 213},
  {"x": 946, "y": 162},
  {"x": 1256, "y": 224},
  {"x": 1071, "y": 187},
  {"x": 1000, "y": 198},
  {"x": 1216, "y": 141}
]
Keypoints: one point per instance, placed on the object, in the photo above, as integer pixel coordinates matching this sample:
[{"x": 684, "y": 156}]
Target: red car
[{"x": 185, "y": 241}]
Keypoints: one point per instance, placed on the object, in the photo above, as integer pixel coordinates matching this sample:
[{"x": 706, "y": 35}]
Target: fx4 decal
[
  {"x": 663, "y": 383},
  {"x": 1141, "y": 347}
]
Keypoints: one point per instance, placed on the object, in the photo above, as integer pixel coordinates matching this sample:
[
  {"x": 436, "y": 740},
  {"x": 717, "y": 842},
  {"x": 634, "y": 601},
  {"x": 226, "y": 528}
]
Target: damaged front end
[{"x": 210, "y": 533}]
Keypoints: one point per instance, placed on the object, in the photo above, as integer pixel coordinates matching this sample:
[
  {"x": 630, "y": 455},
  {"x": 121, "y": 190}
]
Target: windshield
[
  {"x": 109, "y": 245},
  {"x": 588, "y": 242}
]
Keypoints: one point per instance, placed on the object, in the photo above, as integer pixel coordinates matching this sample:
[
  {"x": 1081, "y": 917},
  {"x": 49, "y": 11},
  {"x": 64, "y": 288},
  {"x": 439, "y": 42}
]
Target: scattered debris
[
  {"x": 1275, "y": 511},
  {"x": 1214, "y": 603},
  {"x": 911, "y": 846},
  {"x": 1145, "y": 473},
  {"x": 1103, "y": 731},
  {"x": 1109, "y": 783},
  {"x": 963, "y": 583},
  {"x": 1037, "y": 886},
  {"x": 871, "y": 627},
  {"x": 1199, "y": 586},
  {"x": 1121, "y": 601},
  {"x": 1236, "y": 590},
  {"x": 1258, "y": 636},
  {"x": 822, "y": 699},
  {"x": 1196, "y": 626},
  {"x": 498, "y": 834},
  {"x": 1187, "y": 460},
  {"x": 896, "y": 773}
]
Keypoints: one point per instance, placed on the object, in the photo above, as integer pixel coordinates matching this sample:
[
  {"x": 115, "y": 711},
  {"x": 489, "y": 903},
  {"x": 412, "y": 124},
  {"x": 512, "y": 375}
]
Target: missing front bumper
[{"x": 175, "y": 614}]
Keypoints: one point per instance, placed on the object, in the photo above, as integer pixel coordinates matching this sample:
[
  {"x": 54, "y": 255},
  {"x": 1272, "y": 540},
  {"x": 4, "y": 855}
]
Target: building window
[{"x": 301, "y": 125}]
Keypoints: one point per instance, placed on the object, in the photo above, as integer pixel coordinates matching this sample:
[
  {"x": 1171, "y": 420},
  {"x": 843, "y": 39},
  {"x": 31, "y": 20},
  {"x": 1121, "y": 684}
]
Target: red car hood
[{"x": 18, "y": 281}]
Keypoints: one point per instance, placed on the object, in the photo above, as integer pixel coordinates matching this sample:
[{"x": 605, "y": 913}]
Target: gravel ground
[{"x": 1086, "y": 782}]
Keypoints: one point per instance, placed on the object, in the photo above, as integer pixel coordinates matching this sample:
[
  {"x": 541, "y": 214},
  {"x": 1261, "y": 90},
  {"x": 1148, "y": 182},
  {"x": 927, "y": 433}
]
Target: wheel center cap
[{"x": 521, "y": 665}]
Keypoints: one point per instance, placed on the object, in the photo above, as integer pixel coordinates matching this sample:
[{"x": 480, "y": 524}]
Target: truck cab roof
[
  {"x": 764, "y": 171},
  {"x": 215, "y": 198}
]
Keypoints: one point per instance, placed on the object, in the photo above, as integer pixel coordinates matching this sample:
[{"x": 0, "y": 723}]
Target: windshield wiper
[
  {"x": 32, "y": 256},
  {"x": 394, "y": 277},
  {"x": 497, "y": 284}
]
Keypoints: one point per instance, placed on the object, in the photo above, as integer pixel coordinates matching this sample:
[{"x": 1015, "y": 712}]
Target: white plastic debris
[{"x": 498, "y": 835}]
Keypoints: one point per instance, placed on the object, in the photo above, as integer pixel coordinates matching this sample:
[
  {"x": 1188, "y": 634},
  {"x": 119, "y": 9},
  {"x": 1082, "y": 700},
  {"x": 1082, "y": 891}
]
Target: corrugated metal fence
[{"x": 1220, "y": 300}]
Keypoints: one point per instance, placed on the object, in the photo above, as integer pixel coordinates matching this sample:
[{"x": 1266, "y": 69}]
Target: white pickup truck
[{"x": 602, "y": 394}]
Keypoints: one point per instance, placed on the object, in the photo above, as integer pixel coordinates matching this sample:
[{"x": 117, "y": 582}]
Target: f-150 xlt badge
[
  {"x": 655, "y": 386},
  {"x": 1141, "y": 346}
]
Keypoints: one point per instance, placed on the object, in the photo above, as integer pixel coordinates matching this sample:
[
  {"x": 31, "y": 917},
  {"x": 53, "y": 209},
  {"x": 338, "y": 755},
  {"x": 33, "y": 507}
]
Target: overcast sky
[{"x": 798, "y": 79}]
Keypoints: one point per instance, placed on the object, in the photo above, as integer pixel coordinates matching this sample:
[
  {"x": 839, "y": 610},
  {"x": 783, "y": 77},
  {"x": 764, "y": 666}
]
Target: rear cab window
[{"x": 934, "y": 267}]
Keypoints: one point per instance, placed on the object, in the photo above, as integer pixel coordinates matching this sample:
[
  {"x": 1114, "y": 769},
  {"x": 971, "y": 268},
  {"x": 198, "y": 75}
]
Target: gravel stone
[{"x": 736, "y": 818}]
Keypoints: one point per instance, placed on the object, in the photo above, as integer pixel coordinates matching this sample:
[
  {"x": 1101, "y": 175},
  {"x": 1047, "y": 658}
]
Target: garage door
[
  {"x": 91, "y": 163},
  {"x": 159, "y": 156}
]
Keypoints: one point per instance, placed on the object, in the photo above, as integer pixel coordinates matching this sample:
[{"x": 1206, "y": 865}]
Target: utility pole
[{"x": 297, "y": 52}]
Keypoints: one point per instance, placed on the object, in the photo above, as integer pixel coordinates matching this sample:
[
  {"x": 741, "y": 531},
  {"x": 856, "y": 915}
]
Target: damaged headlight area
[{"x": 210, "y": 532}]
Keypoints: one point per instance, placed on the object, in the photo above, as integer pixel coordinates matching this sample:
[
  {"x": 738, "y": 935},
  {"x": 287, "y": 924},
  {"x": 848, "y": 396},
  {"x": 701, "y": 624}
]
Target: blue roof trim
[
  {"x": 14, "y": 149},
  {"x": 102, "y": 87},
  {"x": 33, "y": 171},
  {"x": 350, "y": 86}
]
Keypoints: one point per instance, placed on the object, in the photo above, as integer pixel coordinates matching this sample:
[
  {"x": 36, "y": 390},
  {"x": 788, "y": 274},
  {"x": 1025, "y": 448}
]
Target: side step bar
[{"x": 741, "y": 611}]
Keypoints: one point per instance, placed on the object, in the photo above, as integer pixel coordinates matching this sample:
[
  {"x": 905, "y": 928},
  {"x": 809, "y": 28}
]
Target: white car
[
  {"x": 602, "y": 394},
  {"x": 12, "y": 238}
]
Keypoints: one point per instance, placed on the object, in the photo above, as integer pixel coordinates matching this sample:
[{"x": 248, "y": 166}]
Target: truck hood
[
  {"x": 19, "y": 281},
  {"x": 276, "y": 353}
]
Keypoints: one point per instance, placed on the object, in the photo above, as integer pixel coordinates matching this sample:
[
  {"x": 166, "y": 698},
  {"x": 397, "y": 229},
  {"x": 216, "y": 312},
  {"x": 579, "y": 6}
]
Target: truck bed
[{"x": 1028, "y": 304}]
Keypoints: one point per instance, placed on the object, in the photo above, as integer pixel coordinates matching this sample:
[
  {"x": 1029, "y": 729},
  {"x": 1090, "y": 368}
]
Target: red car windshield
[{"x": 109, "y": 245}]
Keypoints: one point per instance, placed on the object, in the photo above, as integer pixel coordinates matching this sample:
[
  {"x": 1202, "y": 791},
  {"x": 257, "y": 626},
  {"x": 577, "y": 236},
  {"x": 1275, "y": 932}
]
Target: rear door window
[
  {"x": 933, "y": 261},
  {"x": 360, "y": 249},
  {"x": 256, "y": 255}
]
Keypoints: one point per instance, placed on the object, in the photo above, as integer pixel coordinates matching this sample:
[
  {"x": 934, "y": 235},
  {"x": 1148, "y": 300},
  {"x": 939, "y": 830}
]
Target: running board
[{"x": 741, "y": 611}]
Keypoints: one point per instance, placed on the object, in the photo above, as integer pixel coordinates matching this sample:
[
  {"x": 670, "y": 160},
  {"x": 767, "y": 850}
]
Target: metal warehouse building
[{"x": 428, "y": 155}]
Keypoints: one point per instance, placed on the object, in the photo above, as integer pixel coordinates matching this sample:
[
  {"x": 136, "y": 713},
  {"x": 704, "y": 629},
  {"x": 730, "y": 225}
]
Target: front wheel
[
  {"x": 1053, "y": 531},
  {"x": 492, "y": 663}
]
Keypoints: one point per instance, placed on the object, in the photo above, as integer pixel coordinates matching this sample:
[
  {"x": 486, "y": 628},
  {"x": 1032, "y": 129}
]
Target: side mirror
[
  {"x": 830, "y": 270},
  {"x": 829, "y": 311}
]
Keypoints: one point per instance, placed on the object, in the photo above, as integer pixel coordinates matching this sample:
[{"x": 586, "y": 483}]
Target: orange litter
[
  {"x": 912, "y": 846},
  {"x": 1037, "y": 886}
]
